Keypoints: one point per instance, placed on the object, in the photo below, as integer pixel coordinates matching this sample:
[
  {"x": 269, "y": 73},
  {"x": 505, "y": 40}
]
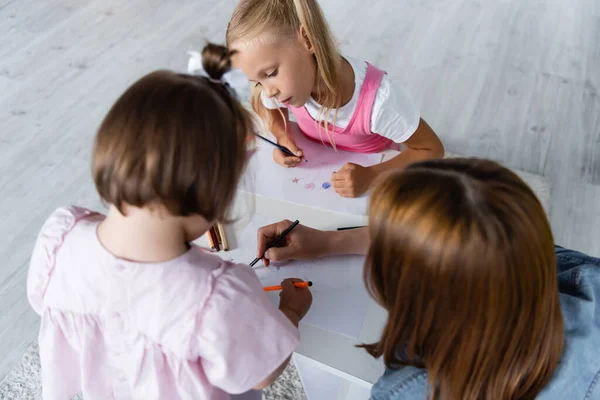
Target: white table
[{"x": 334, "y": 353}]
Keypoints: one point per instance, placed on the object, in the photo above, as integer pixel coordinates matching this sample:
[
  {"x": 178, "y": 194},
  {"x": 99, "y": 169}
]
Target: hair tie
[{"x": 224, "y": 84}]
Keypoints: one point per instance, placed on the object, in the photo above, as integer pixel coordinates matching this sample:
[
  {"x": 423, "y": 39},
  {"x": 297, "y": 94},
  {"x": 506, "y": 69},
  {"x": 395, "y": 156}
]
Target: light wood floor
[{"x": 512, "y": 80}]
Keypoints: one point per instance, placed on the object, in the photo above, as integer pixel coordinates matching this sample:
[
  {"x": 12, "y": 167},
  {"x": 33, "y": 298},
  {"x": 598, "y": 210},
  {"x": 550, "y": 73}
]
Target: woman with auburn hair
[{"x": 481, "y": 304}]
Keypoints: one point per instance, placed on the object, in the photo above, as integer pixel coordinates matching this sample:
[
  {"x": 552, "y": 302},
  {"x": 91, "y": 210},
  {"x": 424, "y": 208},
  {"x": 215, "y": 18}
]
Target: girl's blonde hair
[
  {"x": 462, "y": 258},
  {"x": 262, "y": 20}
]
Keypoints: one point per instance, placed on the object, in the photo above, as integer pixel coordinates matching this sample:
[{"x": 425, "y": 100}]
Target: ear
[{"x": 305, "y": 41}]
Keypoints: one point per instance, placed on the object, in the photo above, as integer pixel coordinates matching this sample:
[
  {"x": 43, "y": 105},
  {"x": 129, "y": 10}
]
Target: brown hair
[
  {"x": 253, "y": 20},
  {"x": 175, "y": 140},
  {"x": 462, "y": 258}
]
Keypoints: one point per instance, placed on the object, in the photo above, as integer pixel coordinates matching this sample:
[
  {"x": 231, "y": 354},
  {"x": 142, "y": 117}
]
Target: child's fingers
[
  {"x": 346, "y": 194},
  {"x": 283, "y": 159},
  {"x": 341, "y": 184},
  {"x": 294, "y": 280},
  {"x": 340, "y": 176},
  {"x": 347, "y": 166},
  {"x": 291, "y": 161},
  {"x": 279, "y": 157},
  {"x": 296, "y": 150},
  {"x": 287, "y": 285},
  {"x": 291, "y": 146}
]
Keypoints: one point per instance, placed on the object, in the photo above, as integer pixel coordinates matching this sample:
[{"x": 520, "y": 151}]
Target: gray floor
[{"x": 513, "y": 80}]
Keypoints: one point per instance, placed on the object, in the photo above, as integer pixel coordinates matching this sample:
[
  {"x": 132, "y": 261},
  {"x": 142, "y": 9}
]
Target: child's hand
[
  {"x": 284, "y": 159},
  {"x": 297, "y": 300},
  {"x": 352, "y": 180}
]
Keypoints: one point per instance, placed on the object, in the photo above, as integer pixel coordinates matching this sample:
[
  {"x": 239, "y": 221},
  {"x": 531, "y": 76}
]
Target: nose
[{"x": 270, "y": 91}]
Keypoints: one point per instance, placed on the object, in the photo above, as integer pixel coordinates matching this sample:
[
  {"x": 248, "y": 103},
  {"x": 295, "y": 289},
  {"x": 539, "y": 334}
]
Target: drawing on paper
[
  {"x": 300, "y": 184},
  {"x": 339, "y": 296}
]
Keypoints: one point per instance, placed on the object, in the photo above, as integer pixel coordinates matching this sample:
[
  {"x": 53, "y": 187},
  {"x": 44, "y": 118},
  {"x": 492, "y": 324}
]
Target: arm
[
  {"x": 352, "y": 180},
  {"x": 280, "y": 127},
  {"x": 238, "y": 325},
  {"x": 294, "y": 304},
  {"x": 352, "y": 241},
  {"x": 269, "y": 380},
  {"x": 424, "y": 144},
  {"x": 306, "y": 243}
]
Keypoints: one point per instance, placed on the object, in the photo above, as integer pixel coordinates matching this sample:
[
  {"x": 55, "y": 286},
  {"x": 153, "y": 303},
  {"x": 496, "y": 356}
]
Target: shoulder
[
  {"x": 392, "y": 95},
  {"x": 359, "y": 67},
  {"x": 63, "y": 219},
  {"x": 188, "y": 294},
  {"x": 193, "y": 279},
  {"x": 49, "y": 240},
  {"x": 395, "y": 115},
  {"x": 403, "y": 383}
]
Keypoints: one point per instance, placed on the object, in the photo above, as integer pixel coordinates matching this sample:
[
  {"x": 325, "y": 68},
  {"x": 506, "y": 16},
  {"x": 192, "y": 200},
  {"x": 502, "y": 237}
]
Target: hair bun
[{"x": 216, "y": 60}]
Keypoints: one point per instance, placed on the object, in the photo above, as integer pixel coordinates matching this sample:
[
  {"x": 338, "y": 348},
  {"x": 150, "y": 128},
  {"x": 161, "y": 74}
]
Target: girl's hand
[
  {"x": 296, "y": 300},
  {"x": 301, "y": 243},
  {"x": 352, "y": 180},
  {"x": 284, "y": 159}
]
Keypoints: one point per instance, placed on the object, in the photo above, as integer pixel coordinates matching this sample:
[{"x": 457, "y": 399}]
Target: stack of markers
[{"x": 216, "y": 237}]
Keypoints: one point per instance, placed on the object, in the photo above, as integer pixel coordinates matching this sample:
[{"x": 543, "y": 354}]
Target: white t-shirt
[{"x": 394, "y": 114}]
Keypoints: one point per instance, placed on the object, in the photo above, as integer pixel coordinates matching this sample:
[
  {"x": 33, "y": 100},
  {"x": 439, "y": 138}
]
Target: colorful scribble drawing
[{"x": 312, "y": 177}]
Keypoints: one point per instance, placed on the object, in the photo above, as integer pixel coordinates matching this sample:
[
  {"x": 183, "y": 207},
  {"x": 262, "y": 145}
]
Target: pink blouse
[{"x": 194, "y": 327}]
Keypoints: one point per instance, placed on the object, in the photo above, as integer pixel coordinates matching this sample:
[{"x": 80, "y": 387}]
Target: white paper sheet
[
  {"x": 308, "y": 183},
  {"x": 339, "y": 295}
]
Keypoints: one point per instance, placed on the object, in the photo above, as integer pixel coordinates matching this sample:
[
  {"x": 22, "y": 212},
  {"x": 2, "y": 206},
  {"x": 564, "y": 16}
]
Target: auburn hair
[
  {"x": 175, "y": 140},
  {"x": 462, "y": 258}
]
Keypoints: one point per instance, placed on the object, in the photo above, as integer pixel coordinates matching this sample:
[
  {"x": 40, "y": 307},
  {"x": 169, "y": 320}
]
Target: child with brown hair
[
  {"x": 286, "y": 49},
  {"x": 130, "y": 308}
]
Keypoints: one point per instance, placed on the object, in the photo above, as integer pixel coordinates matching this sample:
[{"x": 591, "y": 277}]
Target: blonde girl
[{"x": 285, "y": 47}]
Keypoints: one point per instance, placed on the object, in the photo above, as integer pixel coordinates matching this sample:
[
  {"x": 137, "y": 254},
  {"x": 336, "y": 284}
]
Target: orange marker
[{"x": 297, "y": 284}]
